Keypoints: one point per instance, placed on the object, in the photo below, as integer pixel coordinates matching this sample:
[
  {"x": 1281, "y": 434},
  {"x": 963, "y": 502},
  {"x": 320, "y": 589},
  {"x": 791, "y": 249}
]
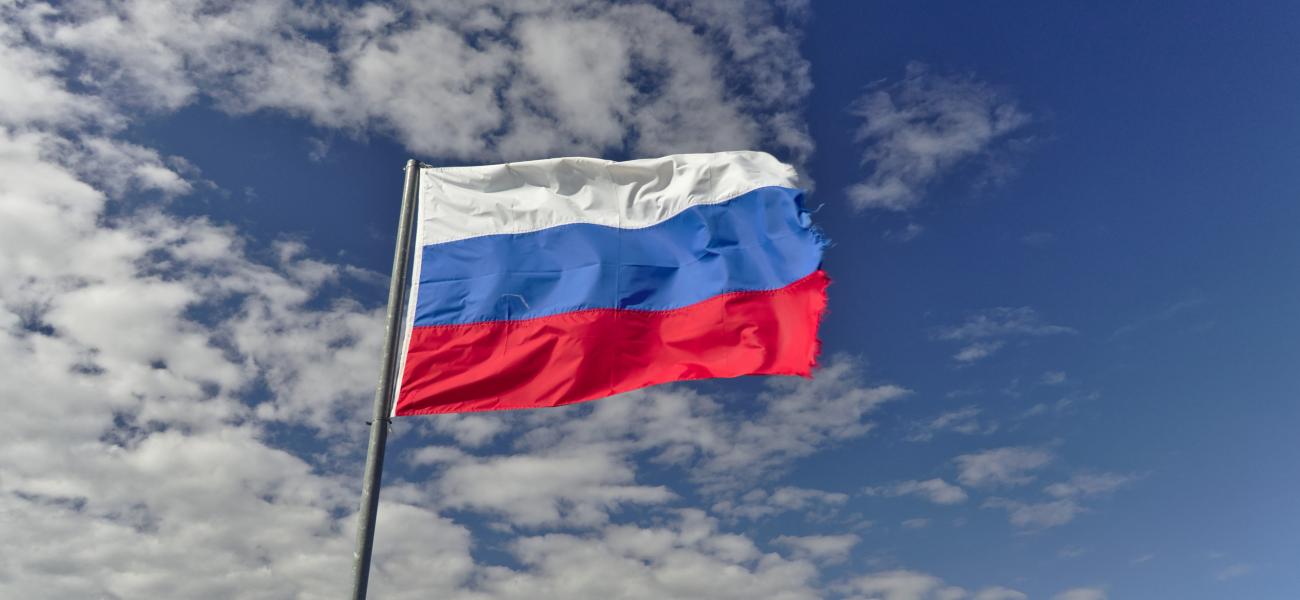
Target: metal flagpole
[{"x": 397, "y": 293}]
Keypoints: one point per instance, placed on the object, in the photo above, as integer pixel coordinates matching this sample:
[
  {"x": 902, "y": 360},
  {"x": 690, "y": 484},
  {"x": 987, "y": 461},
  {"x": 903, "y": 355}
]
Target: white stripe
[{"x": 464, "y": 202}]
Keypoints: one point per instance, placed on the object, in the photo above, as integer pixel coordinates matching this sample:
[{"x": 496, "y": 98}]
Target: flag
[{"x": 550, "y": 282}]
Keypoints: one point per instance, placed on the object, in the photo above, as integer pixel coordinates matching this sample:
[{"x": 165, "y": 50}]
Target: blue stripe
[{"x": 761, "y": 240}]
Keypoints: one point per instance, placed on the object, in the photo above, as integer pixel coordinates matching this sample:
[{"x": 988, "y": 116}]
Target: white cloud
[
  {"x": 985, "y": 332},
  {"x": 1039, "y": 515},
  {"x": 1012, "y": 465},
  {"x": 906, "y": 234},
  {"x": 1066, "y": 504},
  {"x": 687, "y": 558},
  {"x": 574, "y": 466},
  {"x": 31, "y": 92},
  {"x": 791, "y": 419},
  {"x": 937, "y": 491},
  {"x": 918, "y": 129},
  {"x": 572, "y": 488},
  {"x": 1088, "y": 484},
  {"x": 141, "y": 440},
  {"x": 976, "y": 351},
  {"x": 1042, "y": 408},
  {"x": 918, "y": 523},
  {"x": 999, "y": 593},
  {"x": 759, "y": 504},
  {"x": 1082, "y": 593},
  {"x": 901, "y": 585},
  {"x": 464, "y": 80},
  {"x": 828, "y": 549},
  {"x": 470, "y": 430},
  {"x": 1001, "y": 322}
]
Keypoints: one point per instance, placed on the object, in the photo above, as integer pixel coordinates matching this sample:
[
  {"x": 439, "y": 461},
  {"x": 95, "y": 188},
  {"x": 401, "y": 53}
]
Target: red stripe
[{"x": 585, "y": 355}]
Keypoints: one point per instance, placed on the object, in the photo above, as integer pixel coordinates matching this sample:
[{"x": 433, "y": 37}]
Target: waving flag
[{"x": 556, "y": 281}]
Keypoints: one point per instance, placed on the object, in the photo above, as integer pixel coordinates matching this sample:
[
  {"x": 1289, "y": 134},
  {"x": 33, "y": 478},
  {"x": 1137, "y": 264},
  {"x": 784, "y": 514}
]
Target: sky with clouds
[{"x": 1059, "y": 363}]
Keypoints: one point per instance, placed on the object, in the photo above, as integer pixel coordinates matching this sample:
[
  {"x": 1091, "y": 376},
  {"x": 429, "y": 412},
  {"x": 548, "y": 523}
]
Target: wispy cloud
[
  {"x": 1082, "y": 593},
  {"x": 1037, "y": 515},
  {"x": 917, "y": 523},
  {"x": 1052, "y": 378},
  {"x": 937, "y": 491},
  {"x": 987, "y": 331},
  {"x": 965, "y": 420},
  {"x": 759, "y": 504},
  {"x": 977, "y": 350},
  {"x": 1013, "y": 465},
  {"x": 1066, "y": 503},
  {"x": 907, "y": 233},
  {"x": 903, "y": 584},
  {"x": 829, "y": 549},
  {"x": 919, "y": 129},
  {"x": 1071, "y": 552},
  {"x": 1233, "y": 571},
  {"x": 1170, "y": 312},
  {"x": 1089, "y": 484},
  {"x": 1001, "y": 322},
  {"x": 999, "y": 593}
]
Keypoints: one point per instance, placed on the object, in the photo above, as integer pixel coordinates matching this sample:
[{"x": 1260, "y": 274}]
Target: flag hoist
[{"x": 550, "y": 282}]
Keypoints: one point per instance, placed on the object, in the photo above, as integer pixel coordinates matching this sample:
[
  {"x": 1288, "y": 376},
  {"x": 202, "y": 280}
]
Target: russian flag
[{"x": 556, "y": 281}]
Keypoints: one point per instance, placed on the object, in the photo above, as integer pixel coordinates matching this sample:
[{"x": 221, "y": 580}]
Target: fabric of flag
[{"x": 550, "y": 282}]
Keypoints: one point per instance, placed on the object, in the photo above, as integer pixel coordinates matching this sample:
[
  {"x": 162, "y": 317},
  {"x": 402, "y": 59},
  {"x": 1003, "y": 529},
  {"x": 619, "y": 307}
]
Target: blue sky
[{"x": 1059, "y": 362}]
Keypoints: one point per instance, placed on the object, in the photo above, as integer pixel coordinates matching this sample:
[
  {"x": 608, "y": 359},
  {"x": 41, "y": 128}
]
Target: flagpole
[{"x": 397, "y": 294}]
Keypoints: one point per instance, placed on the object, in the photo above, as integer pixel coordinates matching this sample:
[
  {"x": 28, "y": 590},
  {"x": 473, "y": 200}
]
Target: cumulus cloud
[
  {"x": 902, "y": 584},
  {"x": 829, "y": 549},
  {"x": 464, "y": 80},
  {"x": 686, "y": 558},
  {"x": 575, "y": 488},
  {"x": 919, "y": 129},
  {"x": 790, "y": 419},
  {"x": 142, "y": 437}
]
